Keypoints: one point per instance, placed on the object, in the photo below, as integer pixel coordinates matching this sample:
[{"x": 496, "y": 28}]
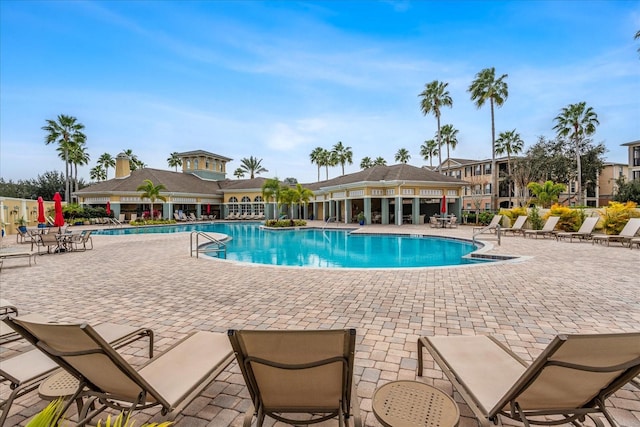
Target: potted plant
[
  {"x": 22, "y": 224},
  {"x": 361, "y": 218}
]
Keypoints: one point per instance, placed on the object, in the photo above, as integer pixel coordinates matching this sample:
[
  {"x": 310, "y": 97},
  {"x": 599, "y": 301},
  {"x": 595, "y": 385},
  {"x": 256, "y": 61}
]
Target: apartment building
[{"x": 634, "y": 159}]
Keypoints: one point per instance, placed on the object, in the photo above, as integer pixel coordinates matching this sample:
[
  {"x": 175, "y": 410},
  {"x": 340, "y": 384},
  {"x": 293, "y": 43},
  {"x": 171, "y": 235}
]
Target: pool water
[{"x": 325, "y": 248}]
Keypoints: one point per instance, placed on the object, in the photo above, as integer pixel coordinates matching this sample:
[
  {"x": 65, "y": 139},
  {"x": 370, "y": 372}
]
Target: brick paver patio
[{"x": 150, "y": 280}]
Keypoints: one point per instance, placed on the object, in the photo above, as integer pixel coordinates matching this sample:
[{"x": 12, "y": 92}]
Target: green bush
[
  {"x": 535, "y": 219},
  {"x": 570, "y": 218},
  {"x": 153, "y": 221},
  {"x": 485, "y": 217},
  {"x": 513, "y": 213},
  {"x": 280, "y": 223},
  {"x": 616, "y": 215}
]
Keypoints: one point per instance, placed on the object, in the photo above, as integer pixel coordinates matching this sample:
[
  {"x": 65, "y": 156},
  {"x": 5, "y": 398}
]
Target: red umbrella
[
  {"x": 41, "y": 218},
  {"x": 208, "y": 209},
  {"x": 108, "y": 208},
  {"x": 443, "y": 205},
  {"x": 58, "y": 221}
]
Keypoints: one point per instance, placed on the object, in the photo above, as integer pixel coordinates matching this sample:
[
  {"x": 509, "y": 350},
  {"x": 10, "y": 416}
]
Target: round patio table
[{"x": 412, "y": 403}]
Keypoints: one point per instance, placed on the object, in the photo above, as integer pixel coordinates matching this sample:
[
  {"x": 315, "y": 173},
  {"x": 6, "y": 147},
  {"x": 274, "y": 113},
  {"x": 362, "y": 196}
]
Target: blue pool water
[{"x": 325, "y": 248}]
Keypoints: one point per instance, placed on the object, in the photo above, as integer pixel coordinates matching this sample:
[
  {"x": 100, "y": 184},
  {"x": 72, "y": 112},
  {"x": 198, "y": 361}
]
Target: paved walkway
[{"x": 150, "y": 280}]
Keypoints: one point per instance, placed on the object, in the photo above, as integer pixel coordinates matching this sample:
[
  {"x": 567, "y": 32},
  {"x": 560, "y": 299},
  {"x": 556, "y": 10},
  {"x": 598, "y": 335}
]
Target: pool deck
[{"x": 151, "y": 280}]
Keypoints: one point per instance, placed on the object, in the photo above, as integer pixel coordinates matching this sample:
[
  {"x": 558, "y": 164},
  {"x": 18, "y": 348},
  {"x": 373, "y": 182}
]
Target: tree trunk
[
  {"x": 579, "y": 163},
  {"x": 494, "y": 173},
  {"x": 439, "y": 146}
]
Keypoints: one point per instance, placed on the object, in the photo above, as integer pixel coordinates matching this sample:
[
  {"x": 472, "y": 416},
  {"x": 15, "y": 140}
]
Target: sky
[{"x": 276, "y": 79}]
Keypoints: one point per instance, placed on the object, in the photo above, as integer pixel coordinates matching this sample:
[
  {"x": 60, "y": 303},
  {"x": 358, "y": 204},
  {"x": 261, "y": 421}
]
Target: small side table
[
  {"x": 412, "y": 403},
  {"x": 60, "y": 385}
]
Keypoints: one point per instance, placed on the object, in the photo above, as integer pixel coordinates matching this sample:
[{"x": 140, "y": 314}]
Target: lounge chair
[
  {"x": 453, "y": 222},
  {"x": 570, "y": 379},
  {"x": 26, "y": 371},
  {"x": 547, "y": 230},
  {"x": 133, "y": 218},
  {"x": 11, "y": 254},
  {"x": 433, "y": 222},
  {"x": 177, "y": 217},
  {"x": 170, "y": 381},
  {"x": 517, "y": 226},
  {"x": 192, "y": 217},
  {"x": 6, "y": 333},
  {"x": 584, "y": 233},
  {"x": 298, "y": 372},
  {"x": 628, "y": 232},
  {"x": 493, "y": 225},
  {"x": 634, "y": 241}
]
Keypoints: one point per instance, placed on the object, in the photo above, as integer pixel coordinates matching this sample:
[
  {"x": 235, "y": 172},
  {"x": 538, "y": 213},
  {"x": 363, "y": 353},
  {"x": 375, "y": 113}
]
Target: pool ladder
[
  {"x": 498, "y": 233},
  {"x": 210, "y": 245},
  {"x": 329, "y": 220}
]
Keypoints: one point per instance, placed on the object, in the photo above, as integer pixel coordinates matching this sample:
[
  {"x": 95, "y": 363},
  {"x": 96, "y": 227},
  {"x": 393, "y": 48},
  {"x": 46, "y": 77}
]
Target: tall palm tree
[
  {"x": 366, "y": 163},
  {"x": 380, "y": 161},
  {"x": 97, "y": 173},
  {"x": 239, "y": 173},
  {"x": 342, "y": 154},
  {"x": 577, "y": 121},
  {"x": 428, "y": 150},
  {"x": 319, "y": 156},
  {"x": 66, "y": 132},
  {"x": 449, "y": 136},
  {"x": 252, "y": 166},
  {"x": 487, "y": 87},
  {"x": 152, "y": 192},
  {"x": 107, "y": 161},
  {"x": 509, "y": 142},
  {"x": 637, "y": 37},
  {"x": 402, "y": 155},
  {"x": 271, "y": 190},
  {"x": 435, "y": 96},
  {"x": 78, "y": 155},
  {"x": 174, "y": 160}
]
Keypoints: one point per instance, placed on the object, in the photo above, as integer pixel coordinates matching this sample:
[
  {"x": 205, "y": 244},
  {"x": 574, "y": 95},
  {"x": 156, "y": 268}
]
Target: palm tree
[
  {"x": 66, "y": 131},
  {"x": 319, "y": 156},
  {"x": 546, "y": 194},
  {"x": 134, "y": 162},
  {"x": 302, "y": 197},
  {"x": 151, "y": 192},
  {"x": 78, "y": 155},
  {"x": 487, "y": 87},
  {"x": 509, "y": 142},
  {"x": 271, "y": 190},
  {"x": 342, "y": 154},
  {"x": 252, "y": 166},
  {"x": 577, "y": 121},
  {"x": 402, "y": 155},
  {"x": 434, "y": 97},
  {"x": 174, "y": 160},
  {"x": 107, "y": 161},
  {"x": 428, "y": 150},
  {"x": 366, "y": 163},
  {"x": 97, "y": 173},
  {"x": 239, "y": 173},
  {"x": 449, "y": 136},
  {"x": 637, "y": 37},
  {"x": 380, "y": 161}
]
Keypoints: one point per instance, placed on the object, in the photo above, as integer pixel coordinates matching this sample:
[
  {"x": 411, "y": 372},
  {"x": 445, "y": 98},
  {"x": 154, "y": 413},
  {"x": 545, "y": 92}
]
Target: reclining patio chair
[
  {"x": 79, "y": 241},
  {"x": 495, "y": 222},
  {"x": 628, "y": 232},
  {"x": 26, "y": 371},
  {"x": 517, "y": 226},
  {"x": 584, "y": 233},
  {"x": 547, "y": 229},
  {"x": 298, "y": 372},
  {"x": 170, "y": 381},
  {"x": 569, "y": 380}
]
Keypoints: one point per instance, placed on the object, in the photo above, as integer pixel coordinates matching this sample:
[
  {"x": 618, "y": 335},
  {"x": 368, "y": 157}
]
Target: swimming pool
[{"x": 325, "y": 248}]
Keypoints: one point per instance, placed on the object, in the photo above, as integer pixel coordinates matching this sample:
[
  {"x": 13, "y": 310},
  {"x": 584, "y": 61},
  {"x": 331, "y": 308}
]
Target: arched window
[
  {"x": 245, "y": 205},
  {"x": 195, "y": 164},
  {"x": 188, "y": 164},
  {"x": 258, "y": 205},
  {"x": 207, "y": 164},
  {"x": 233, "y": 205}
]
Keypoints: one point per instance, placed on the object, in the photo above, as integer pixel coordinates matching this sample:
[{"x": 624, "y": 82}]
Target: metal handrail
[
  {"x": 334, "y": 218},
  {"x": 482, "y": 230},
  {"x": 115, "y": 222},
  {"x": 220, "y": 248}
]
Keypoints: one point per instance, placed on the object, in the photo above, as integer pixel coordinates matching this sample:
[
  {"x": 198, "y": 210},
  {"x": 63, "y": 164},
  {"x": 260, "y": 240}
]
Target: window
[
  {"x": 207, "y": 164},
  {"x": 195, "y": 164},
  {"x": 245, "y": 205},
  {"x": 573, "y": 187},
  {"x": 487, "y": 189},
  {"x": 487, "y": 169},
  {"x": 487, "y": 206},
  {"x": 635, "y": 175},
  {"x": 620, "y": 171},
  {"x": 233, "y": 205},
  {"x": 188, "y": 164},
  {"x": 636, "y": 156},
  {"x": 479, "y": 170},
  {"x": 469, "y": 206}
]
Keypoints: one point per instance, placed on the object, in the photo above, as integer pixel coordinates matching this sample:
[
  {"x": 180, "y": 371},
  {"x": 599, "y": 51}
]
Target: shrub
[
  {"x": 534, "y": 218},
  {"x": 615, "y": 216},
  {"x": 485, "y": 217},
  {"x": 513, "y": 213},
  {"x": 570, "y": 219},
  {"x": 279, "y": 223}
]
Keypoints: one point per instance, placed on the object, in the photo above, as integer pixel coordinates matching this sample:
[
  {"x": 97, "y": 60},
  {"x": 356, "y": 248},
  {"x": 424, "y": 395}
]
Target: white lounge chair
[
  {"x": 628, "y": 232},
  {"x": 547, "y": 230}
]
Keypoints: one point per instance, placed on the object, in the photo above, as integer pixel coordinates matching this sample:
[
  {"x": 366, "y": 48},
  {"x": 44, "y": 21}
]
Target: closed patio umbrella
[
  {"x": 58, "y": 221},
  {"x": 108, "y": 208},
  {"x": 41, "y": 219},
  {"x": 443, "y": 205}
]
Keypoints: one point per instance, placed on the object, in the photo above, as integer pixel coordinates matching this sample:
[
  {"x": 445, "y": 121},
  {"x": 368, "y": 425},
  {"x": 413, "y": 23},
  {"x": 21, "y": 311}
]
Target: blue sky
[{"x": 277, "y": 79}]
